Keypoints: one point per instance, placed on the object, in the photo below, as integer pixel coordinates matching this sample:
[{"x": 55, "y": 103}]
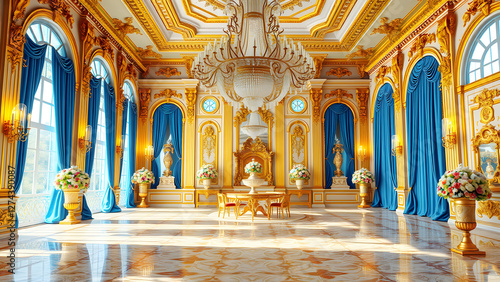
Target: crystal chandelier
[{"x": 253, "y": 64}]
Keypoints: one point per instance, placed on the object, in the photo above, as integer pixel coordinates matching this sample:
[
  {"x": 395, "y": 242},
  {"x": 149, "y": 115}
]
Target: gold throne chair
[{"x": 253, "y": 149}]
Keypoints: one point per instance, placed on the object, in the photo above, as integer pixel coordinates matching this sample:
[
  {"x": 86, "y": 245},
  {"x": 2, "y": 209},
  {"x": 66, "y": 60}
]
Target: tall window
[
  {"x": 41, "y": 158},
  {"x": 125, "y": 174},
  {"x": 483, "y": 58},
  {"x": 99, "y": 179}
]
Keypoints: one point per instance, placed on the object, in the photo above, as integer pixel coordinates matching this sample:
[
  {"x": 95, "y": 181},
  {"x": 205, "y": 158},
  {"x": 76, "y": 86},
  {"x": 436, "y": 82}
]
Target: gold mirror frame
[
  {"x": 488, "y": 134},
  {"x": 242, "y": 115}
]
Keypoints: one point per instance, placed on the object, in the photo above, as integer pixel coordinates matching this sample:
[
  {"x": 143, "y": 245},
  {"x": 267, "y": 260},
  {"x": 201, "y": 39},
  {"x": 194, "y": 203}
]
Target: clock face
[
  {"x": 298, "y": 105},
  {"x": 209, "y": 105}
]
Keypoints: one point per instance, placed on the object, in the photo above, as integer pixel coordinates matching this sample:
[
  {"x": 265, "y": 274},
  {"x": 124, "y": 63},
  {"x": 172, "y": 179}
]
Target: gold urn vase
[
  {"x": 363, "y": 192},
  {"x": 71, "y": 203},
  {"x": 143, "y": 193},
  {"x": 465, "y": 220}
]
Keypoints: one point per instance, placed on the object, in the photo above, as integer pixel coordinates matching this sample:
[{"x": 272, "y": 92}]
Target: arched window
[
  {"x": 482, "y": 59},
  {"x": 41, "y": 158},
  {"x": 128, "y": 92},
  {"x": 99, "y": 178}
]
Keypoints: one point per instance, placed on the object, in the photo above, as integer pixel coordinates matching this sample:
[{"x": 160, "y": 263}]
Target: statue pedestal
[
  {"x": 166, "y": 182},
  {"x": 339, "y": 182}
]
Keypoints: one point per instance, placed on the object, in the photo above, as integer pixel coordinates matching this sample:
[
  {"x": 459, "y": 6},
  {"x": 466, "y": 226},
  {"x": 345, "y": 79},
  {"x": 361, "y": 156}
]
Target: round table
[{"x": 253, "y": 200}]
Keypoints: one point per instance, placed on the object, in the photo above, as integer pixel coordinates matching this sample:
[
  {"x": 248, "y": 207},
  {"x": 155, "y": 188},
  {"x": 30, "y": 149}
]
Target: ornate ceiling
[{"x": 171, "y": 29}]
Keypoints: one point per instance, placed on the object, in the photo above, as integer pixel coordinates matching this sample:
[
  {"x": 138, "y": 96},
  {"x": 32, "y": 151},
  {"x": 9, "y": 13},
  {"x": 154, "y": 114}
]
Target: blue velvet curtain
[
  {"x": 108, "y": 203},
  {"x": 124, "y": 131},
  {"x": 426, "y": 154},
  {"x": 33, "y": 61},
  {"x": 92, "y": 120},
  {"x": 63, "y": 81},
  {"x": 339, "y": 115},
  {"x": 167, "y": 115},
  {"x": 385, "y": 163},
  {"x": 132, "y": 131}
]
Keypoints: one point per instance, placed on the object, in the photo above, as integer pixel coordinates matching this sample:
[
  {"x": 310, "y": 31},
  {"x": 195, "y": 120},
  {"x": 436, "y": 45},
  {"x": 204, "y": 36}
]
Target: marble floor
[{"x": 190, "y": 245}]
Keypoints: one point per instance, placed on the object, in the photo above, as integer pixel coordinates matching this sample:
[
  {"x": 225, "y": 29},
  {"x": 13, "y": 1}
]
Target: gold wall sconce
[
  {"x": 149, "y": 153},
  {"x": 120, "y": 146},
  {"x": 361, "y": 153},
  {"x": 449, "y": 134},
  {"x": 396, "y": 147},
  {"x": 85, "y": 143},
  {"x": 18, "y": 128}
]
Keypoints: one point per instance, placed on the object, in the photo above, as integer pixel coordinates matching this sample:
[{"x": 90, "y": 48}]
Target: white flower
[{"x": 469, "y": 187}]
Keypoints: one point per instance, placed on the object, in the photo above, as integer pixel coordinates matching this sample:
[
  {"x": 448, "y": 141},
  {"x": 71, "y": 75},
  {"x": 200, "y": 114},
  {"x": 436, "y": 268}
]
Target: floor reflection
[{"x": 175, "y": 244}]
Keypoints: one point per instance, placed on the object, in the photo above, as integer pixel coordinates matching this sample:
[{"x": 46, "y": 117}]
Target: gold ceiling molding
[
  {"x": 417, "y": 48},
  {"x": 189, "y": 9},
  {"x": 168, "y": 93},
  {"x": 148, "y": 52},
  {"x": 361, "y": 52},
  {"x": 489, "y": 208},
  {"x": 144, "y": 97},
  {"x": 339, "y": 72},
  {"x": 485, "y": 101},
  {"x": 425, "y": 16},
  {"x": 476, "y": 6},
  {"x": 126, "y": 27},
  {"x": 168, "y": 72},
  {"x": 61, "y": 7},
  {"x": 336, "y": 18},
  {"x": 169, "y": 17},
  {"x": 391, "y": 29},
  {"x": 102, "y": 21},
  {"x": 344, "y": 62},
  {"x": 339, "y": 93}
]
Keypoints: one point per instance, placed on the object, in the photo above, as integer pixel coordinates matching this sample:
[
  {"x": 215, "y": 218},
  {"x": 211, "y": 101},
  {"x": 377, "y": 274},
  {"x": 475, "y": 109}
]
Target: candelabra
[
  {"x": 18, "y": 128},
  {"x": 85, "y": 143}
]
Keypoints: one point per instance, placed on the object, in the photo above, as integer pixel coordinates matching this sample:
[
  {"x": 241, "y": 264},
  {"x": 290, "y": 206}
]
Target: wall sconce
[
  {"x": 149, "y": 152},
  {"x": 361, "y": 153},
  {"x": 449, "y": 134},
  {"x": 85, "y": 143},
  {"x": 396, "y": 148},
  {"x": 119, "y": 148},
  {"x": 18, "y": 128}
]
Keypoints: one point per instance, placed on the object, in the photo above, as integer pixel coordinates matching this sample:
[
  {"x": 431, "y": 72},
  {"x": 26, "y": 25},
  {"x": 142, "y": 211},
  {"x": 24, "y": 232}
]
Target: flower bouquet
[
  {"x": 207, "y": 171},
  {"x": 253, "y": 167},
  {"x": 299, "y": 172},
  {"x": 362, "y": 176},
  {"x": 143, "y": 175},
  {"x": 464, "y": 182},
  {"x": 72, "y": 178}
]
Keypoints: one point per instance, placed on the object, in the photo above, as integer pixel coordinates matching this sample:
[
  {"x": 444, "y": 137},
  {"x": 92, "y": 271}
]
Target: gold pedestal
[
  {"x": 71, "y": 203},
  {"x": 363, "y": 192},
  {"x": 143, "y": 193},
  {"x": 465, "y": 211}
]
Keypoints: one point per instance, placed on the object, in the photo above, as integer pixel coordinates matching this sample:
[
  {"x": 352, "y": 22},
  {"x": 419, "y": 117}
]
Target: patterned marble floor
[{"x": 188, "y": 245}]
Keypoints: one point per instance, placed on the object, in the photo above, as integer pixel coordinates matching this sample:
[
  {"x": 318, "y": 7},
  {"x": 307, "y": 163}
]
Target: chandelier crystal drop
[{"x": 254, "y": 64}]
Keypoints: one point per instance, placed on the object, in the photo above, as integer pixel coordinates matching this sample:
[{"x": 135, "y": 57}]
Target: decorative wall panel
[
  {"x": 297, "y": 148},
  {"x": 209, "y": 144}
]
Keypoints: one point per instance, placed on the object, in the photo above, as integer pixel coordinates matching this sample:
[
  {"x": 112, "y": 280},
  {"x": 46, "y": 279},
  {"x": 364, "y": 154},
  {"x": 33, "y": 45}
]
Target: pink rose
[
  {"x": 472, "y": 195},
  {"x": 479, "y": 190}
]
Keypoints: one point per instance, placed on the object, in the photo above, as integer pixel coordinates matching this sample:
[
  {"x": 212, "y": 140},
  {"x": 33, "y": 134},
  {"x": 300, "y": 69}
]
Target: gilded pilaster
[
  {"x": 227, "y": 159},
  {"x": 446, "y": 37},
  {"x": 142, "y": 127},
  {"x": 397, "y": 74},
  {"x": 316, "y": 96},
  {"x": 280, "y": 168},
  {"x": 362, "y": 95},
  {"x": 188, "y": 156}
]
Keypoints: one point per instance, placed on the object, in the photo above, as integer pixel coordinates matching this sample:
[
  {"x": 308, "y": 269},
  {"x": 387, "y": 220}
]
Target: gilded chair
[
  {"x": 224, "y": 204},
  {"x": 282, "y": 205}
]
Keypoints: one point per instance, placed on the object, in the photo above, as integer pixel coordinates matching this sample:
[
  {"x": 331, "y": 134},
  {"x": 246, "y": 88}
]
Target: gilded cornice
[
  {"x": 339, "y": 93},
  {"x": 102, "y": 21},
  {"x": 412, "y": 27},
  {"x": 168, "y": 93},
  {"x": 318, "y": 63},
  {"x": 169, "y": 17},
  {"x": 335, "y": 20}
]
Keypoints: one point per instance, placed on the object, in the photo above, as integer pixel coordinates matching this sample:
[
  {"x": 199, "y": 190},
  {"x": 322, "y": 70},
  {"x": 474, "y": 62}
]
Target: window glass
[
  {"x": 298, "y": 105},
  {"x": 484, "y": 58}
]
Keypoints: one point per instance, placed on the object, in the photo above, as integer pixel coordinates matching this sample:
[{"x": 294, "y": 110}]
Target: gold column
[
  {"x": 397, "y": 74},
  {"x": 446, "y": 37},
  {"x": 362, "y": 95},
  {"x": 142, "y": 128},
  {"x": 281, "y": 173},
  {"x": 316, "y": 96},
  {"x": 227, "y": 158},
  {"x": 12, "y": 39},
  {"x": 188, "y": 156}
]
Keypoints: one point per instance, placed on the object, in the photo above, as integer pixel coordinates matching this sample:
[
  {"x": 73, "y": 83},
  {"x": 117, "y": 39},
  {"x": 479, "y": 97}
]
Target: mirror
[
  {"x": 488, "y": 159},
  {"x": 253, "y": 119}
]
